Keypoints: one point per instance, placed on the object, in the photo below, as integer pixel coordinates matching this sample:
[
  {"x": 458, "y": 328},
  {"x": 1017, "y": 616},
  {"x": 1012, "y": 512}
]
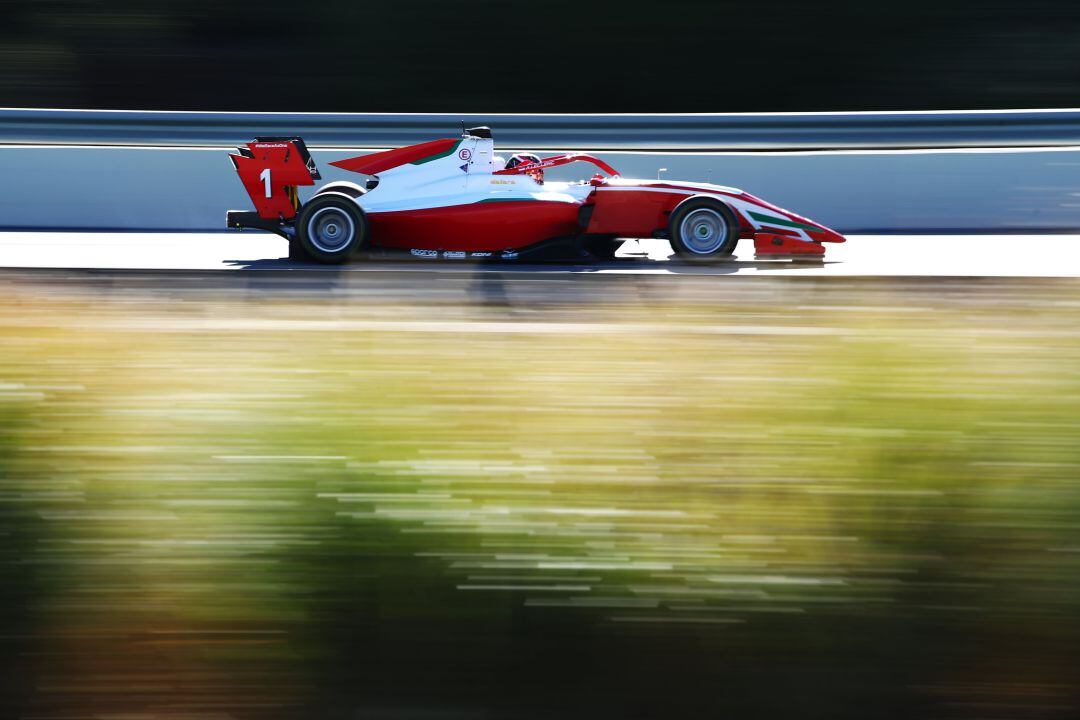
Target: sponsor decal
[
  {"x": 480, "y": 254},
  {"x": 465, "y": 154},
  {"x": 509, "y": 255},
  {"x": 271, "y": 145},
  {"x": 424, "y": 253},
  {"x": 502, "y": 182},
  {"x": 464, "y": 168},
  {"x": 454, "y": 255}
]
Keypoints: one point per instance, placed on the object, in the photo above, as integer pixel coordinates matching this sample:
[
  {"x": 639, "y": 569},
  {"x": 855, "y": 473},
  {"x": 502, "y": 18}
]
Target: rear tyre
[
  {"x": 296, "y": 253},
  {"x": 703, "y": 230},
  {"x": 331, "y": 227}
]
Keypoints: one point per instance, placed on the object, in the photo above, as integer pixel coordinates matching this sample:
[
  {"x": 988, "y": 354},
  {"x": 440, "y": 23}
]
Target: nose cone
[{"x": 830, "y": 235}]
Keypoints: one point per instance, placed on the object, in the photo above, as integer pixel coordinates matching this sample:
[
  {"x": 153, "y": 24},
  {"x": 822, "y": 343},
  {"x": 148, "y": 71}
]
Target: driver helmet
[{"x": 530, "y": 158}]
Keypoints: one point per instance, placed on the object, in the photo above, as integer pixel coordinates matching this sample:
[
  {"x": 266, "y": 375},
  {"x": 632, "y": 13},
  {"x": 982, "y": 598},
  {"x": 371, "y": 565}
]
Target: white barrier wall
[{"x": 909, "y": 191}]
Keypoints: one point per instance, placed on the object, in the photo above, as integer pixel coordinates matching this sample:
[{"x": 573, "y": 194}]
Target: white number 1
[{"x": 265, "y": 177}]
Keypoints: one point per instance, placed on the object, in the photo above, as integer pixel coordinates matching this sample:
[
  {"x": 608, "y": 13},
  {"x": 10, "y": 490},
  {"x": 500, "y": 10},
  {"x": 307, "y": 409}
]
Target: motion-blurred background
[
  {"x": 503, "y": 494},
  {"x": 396, "y": 495},
  {"x": 551, "y": 56}
]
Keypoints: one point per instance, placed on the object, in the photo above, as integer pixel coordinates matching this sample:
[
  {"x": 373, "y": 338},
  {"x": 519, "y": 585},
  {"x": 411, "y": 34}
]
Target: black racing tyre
[
  {"x": 331, "y": 227},
  {"x": 296, "y": 253},
  {"x": 341, "y": 186},
  {"x": 703, "y": 229}
]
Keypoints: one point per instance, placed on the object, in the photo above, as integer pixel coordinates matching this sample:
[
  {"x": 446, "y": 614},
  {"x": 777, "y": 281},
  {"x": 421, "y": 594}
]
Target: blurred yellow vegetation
[{"x": 264, "y": 471}]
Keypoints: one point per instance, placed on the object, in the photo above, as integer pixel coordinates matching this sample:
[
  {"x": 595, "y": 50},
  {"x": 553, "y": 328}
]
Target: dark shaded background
[{"x": 555, "y": 56}]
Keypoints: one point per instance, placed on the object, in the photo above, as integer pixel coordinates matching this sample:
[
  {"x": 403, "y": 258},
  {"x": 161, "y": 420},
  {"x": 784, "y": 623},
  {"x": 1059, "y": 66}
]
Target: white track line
[{"x": 863, "y": 255}]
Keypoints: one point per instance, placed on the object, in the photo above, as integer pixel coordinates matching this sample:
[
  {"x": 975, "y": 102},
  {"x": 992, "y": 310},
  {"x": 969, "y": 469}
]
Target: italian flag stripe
[
  {"x": 437, "y": 156},
  {"x": 773, "y": 220}
]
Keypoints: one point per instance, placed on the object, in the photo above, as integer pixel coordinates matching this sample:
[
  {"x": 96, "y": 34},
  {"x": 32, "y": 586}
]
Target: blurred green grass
[{"x": 786, "y": 503}]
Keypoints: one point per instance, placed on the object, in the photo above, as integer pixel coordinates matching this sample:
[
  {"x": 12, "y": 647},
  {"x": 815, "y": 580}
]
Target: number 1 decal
[{"x": 265, "y": 177}]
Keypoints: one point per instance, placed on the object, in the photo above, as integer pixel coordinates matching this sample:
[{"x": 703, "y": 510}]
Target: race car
[{"x": 455, "y": 199}]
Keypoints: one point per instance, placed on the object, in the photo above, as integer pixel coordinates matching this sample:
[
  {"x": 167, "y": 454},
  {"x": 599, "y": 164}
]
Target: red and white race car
[{"x": 455, "y": 199}]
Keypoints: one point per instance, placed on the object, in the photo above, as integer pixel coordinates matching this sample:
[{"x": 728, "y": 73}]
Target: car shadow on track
[
  {"x": 628, "y": 265},
  {"x": 510, "y": 288},
  {"x": 633, "y": 257}
]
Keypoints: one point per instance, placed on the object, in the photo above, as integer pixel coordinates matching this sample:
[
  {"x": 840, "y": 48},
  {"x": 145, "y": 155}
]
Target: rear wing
[{"x": 271, "y": 169}]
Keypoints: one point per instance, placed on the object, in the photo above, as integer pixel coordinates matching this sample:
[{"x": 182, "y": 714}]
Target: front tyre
[
  {"x": 331, "y": 227},
  {"x": 703, "y": 230}
]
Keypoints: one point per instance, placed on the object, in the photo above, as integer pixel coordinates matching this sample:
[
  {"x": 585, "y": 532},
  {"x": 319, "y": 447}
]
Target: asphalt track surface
[{"x": 998, "y": 255}]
